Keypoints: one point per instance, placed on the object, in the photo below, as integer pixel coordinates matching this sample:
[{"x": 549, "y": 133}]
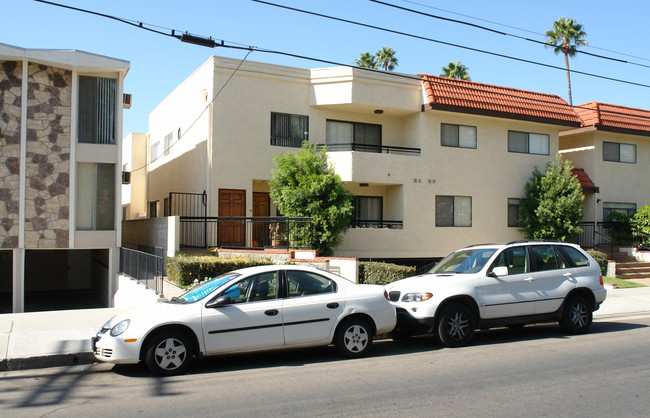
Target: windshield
[
  {"x": 464, "y": 262},
  {"x": 201, "y": 291}
]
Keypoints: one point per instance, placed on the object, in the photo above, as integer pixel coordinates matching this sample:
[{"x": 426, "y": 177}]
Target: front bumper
[
  {"x": 411, "y": 324},
  {"x": 115, "y": 349}
]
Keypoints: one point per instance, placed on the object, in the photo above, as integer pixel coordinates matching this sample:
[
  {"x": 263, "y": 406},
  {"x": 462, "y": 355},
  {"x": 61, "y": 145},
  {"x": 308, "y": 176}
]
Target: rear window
[{"x": 573, "y": 255}]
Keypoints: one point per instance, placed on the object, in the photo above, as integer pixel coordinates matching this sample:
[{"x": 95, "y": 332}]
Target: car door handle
[
  {"x": 529, "y": 279},
  {"x": 567, "y": 275},
  {"x": 272, "y": 312},
  {"x": 333, "y": 305}
]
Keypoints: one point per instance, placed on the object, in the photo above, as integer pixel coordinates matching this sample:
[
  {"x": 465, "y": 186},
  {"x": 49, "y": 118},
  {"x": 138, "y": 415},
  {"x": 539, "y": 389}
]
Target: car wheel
[
  {"x": 169, "y": 353},
  {"x": 353, "y": 337},
  {"x": 455, "y": 327},
  {"x": 577, "y": 315}
]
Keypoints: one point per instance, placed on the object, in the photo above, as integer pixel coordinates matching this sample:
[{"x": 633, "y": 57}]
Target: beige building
[
  {"x": 60, "y": 153},
  {"x": 434, "y": 163}
]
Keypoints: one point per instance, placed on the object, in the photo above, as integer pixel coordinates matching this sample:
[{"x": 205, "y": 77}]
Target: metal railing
[
  {"x": 146, "y": 268},
  {"x": 606, "y": 235},
  {"x": 372, "y": 224},
  {"x": 378, "y": 149},
  {"x": 246, "y": 232}
]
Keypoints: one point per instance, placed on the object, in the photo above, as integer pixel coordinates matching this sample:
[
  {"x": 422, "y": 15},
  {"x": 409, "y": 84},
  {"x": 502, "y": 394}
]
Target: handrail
[{"x": 378, "y": 149}]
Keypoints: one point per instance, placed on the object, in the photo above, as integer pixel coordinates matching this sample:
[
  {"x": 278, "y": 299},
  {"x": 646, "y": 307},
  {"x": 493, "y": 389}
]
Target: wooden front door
[
  {"x": 261, "y": 232},
  {"x": 232, "y": 203}
]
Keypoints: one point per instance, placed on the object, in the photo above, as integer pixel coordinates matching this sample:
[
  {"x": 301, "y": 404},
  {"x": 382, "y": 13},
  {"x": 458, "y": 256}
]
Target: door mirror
[
  {"x": 218, "y": 302},
  {"x": 499, "y": 271}
]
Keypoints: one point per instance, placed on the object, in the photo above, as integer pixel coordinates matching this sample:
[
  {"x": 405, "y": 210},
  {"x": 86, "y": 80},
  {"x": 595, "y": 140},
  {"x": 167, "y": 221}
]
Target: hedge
[
  {"x": 183, "y": 269},
  {"x": 372, "y": 272},
  {"x": 601, "y": 258}
]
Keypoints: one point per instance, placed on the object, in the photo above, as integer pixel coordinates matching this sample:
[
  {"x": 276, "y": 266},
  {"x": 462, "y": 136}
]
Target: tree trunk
[{"x": 568, "y": 76}]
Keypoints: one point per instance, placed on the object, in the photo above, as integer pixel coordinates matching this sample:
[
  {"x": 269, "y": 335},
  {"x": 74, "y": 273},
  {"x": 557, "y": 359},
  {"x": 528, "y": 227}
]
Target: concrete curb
[{"x": 42, "y": 362}]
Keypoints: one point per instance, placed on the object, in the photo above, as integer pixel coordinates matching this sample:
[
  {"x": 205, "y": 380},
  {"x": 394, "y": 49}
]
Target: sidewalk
[{"x": 62, "y": 338}]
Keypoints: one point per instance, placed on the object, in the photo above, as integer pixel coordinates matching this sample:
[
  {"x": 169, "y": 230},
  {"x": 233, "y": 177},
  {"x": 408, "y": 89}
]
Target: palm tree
[
  {"x": 366, "y": 60},
  {"x": 457, "y": 70},
  {"x": 565, "y": 37},
  {"x": 386, "y": 58}
]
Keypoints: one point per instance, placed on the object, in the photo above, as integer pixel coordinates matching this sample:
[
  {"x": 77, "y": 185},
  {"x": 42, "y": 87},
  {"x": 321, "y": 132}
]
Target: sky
[{"x": 159, "y": 63}]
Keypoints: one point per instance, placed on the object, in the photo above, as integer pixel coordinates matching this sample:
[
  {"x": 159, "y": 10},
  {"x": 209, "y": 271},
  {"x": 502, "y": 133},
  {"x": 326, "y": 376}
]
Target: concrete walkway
[{"x": 60, "y": 338}]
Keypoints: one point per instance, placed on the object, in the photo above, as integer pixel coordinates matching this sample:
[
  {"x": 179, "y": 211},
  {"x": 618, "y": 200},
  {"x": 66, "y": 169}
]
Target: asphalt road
[{"x": 535, "y": 371}]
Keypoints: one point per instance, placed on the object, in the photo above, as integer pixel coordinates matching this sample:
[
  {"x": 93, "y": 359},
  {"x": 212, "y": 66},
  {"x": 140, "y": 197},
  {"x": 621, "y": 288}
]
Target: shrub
[
  {"x": 641, "y": 220},
  {"x": 601, "y": 258},
  {"x": 372, "y": 272},
  {"x": 183, "y": 269},
  {"x": 621, "y": 227}
]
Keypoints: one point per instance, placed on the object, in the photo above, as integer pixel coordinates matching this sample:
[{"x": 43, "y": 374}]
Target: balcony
[
  {"x": 377, "y": 149},
  {"x": 375, "y": 224}
]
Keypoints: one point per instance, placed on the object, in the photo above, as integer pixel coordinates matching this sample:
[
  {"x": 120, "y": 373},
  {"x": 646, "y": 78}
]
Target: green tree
[
  {"x": 456, "y": 69},
  {"x": 641, "y": 221},
  {"x": 303, "y": 184},
  {"x": 552, "y": 208},
  {"x": 386, "y": 59},
  {"x": 366, "y": 61},
  {"x": 565, "y": 37}
]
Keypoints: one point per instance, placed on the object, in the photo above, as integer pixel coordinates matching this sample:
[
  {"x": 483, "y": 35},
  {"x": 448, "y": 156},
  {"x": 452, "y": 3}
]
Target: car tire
[
  {"x": 577, "y": 315},
  {"x": 169, "y": 353},
  {"x": 353, "y": 337},
  {"x": 455, "y": 326}
]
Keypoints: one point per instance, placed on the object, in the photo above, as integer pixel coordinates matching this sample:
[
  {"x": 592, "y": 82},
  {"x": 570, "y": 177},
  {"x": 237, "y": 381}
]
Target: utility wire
[
  {"x": 520, "y": 29},
  {"x": 500, "y": 32},
  {"x": 329, "y": 62},
  {"x": 496, "y": 54}
]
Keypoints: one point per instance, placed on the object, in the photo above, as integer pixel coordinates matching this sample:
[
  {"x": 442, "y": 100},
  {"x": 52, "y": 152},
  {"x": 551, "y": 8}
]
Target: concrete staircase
[{"x": 629, "y": 268}]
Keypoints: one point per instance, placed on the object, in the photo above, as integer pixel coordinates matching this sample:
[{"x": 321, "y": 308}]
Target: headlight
[
  {"x": 416, "y": 297},
  {"x": 120, "y": 328}
]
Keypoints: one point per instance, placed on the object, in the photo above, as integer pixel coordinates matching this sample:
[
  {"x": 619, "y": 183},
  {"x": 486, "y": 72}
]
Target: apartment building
[
  {"x": 60, "y": 153},
  {"x": 434, "y": 163}
]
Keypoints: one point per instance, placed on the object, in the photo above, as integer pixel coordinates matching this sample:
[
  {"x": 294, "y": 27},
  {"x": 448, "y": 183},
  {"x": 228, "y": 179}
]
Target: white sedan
[{"x": 251, "y": 309}]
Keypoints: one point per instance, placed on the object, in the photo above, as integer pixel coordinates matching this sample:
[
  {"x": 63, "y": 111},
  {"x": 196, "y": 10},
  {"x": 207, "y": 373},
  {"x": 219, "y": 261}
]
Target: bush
[
  {"x": 601, "y": 258},
  {"x": 183, "y": 269},
  {"x": 372, "y": 272},
  {"x": 641, "y": 220}
]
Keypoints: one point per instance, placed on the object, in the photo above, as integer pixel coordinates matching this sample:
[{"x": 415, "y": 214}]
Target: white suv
[{"x": 510, "y": 284}]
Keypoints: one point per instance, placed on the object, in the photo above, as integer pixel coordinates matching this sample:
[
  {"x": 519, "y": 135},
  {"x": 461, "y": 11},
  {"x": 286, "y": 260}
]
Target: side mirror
[
  {"x": 218, "y": 302},
  {"x": 499, "y": 271}
]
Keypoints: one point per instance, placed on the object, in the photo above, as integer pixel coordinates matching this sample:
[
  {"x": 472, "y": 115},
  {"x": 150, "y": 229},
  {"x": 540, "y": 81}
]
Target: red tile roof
[
  {"x": 614, "y": 117},
  {"x": 586, "y": 183},
  {"x": 467, "y": 96}
]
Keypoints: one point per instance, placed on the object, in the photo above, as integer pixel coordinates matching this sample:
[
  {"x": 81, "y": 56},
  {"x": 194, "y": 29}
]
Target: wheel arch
[
  {"x": 361, "y": 315},
  {"x": 584, "y": 292},
  {"x": 466, "y": 300},
  {"x": 170, "y": 327}
]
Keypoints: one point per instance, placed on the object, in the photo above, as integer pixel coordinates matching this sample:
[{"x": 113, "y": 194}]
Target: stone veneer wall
[
  {"x": 10, "y": 116},
  {"x": 47, "y": 194}
]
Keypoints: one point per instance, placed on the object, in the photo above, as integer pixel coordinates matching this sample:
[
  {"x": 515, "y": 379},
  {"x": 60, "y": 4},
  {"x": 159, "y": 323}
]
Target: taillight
[
  {"x": 601, "y": 280},
  {"x": 388, "y": 299}
]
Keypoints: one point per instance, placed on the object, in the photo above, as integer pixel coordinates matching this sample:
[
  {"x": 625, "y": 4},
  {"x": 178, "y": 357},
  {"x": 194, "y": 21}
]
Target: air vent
[{"x": 126, "y": 177}]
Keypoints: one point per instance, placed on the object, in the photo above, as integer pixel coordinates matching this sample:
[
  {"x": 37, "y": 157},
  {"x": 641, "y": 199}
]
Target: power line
[
  {"x": 329, "y": 62},
  {"x": 521, "y": 29},
  {"x": 496, "y": 54}
]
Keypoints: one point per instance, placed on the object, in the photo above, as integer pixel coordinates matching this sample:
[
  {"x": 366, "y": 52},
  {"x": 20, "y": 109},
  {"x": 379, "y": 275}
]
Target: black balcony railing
[
  {"x": 246, "y": 232},
  {"x": 378, "y": 149},
  {"x": 374, "y": 224}
]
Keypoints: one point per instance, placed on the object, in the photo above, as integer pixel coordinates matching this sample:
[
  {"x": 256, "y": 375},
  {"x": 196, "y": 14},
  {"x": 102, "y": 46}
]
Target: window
[
  {"x": 543, "y": 258},
  {"x": 453, "y": 211},
  {"x": 628, "y": 209},
  {"x": 573, "y": 255},
  {"x": 353, "y": 136},
  {"x": 513, "y": 212},
  {"x": 95, "y": 197},
  {"x": 256, "y": 288},
  {"x": 156, "y": 151},
  {"x": 153, "y": 209},
  {"x": 528, "y": 143},
  {"x": 302, "y": 283},
  {"x": 97, "y": 102},
  {"x": 367, "y": 212},
  {"x": 289, "y": 130},
  {"x": 621, "y": 153},
  {"x": 168, "y": 142},
  {"x": 515, "y": 258},
  {"x": 457, "y": 136}
]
